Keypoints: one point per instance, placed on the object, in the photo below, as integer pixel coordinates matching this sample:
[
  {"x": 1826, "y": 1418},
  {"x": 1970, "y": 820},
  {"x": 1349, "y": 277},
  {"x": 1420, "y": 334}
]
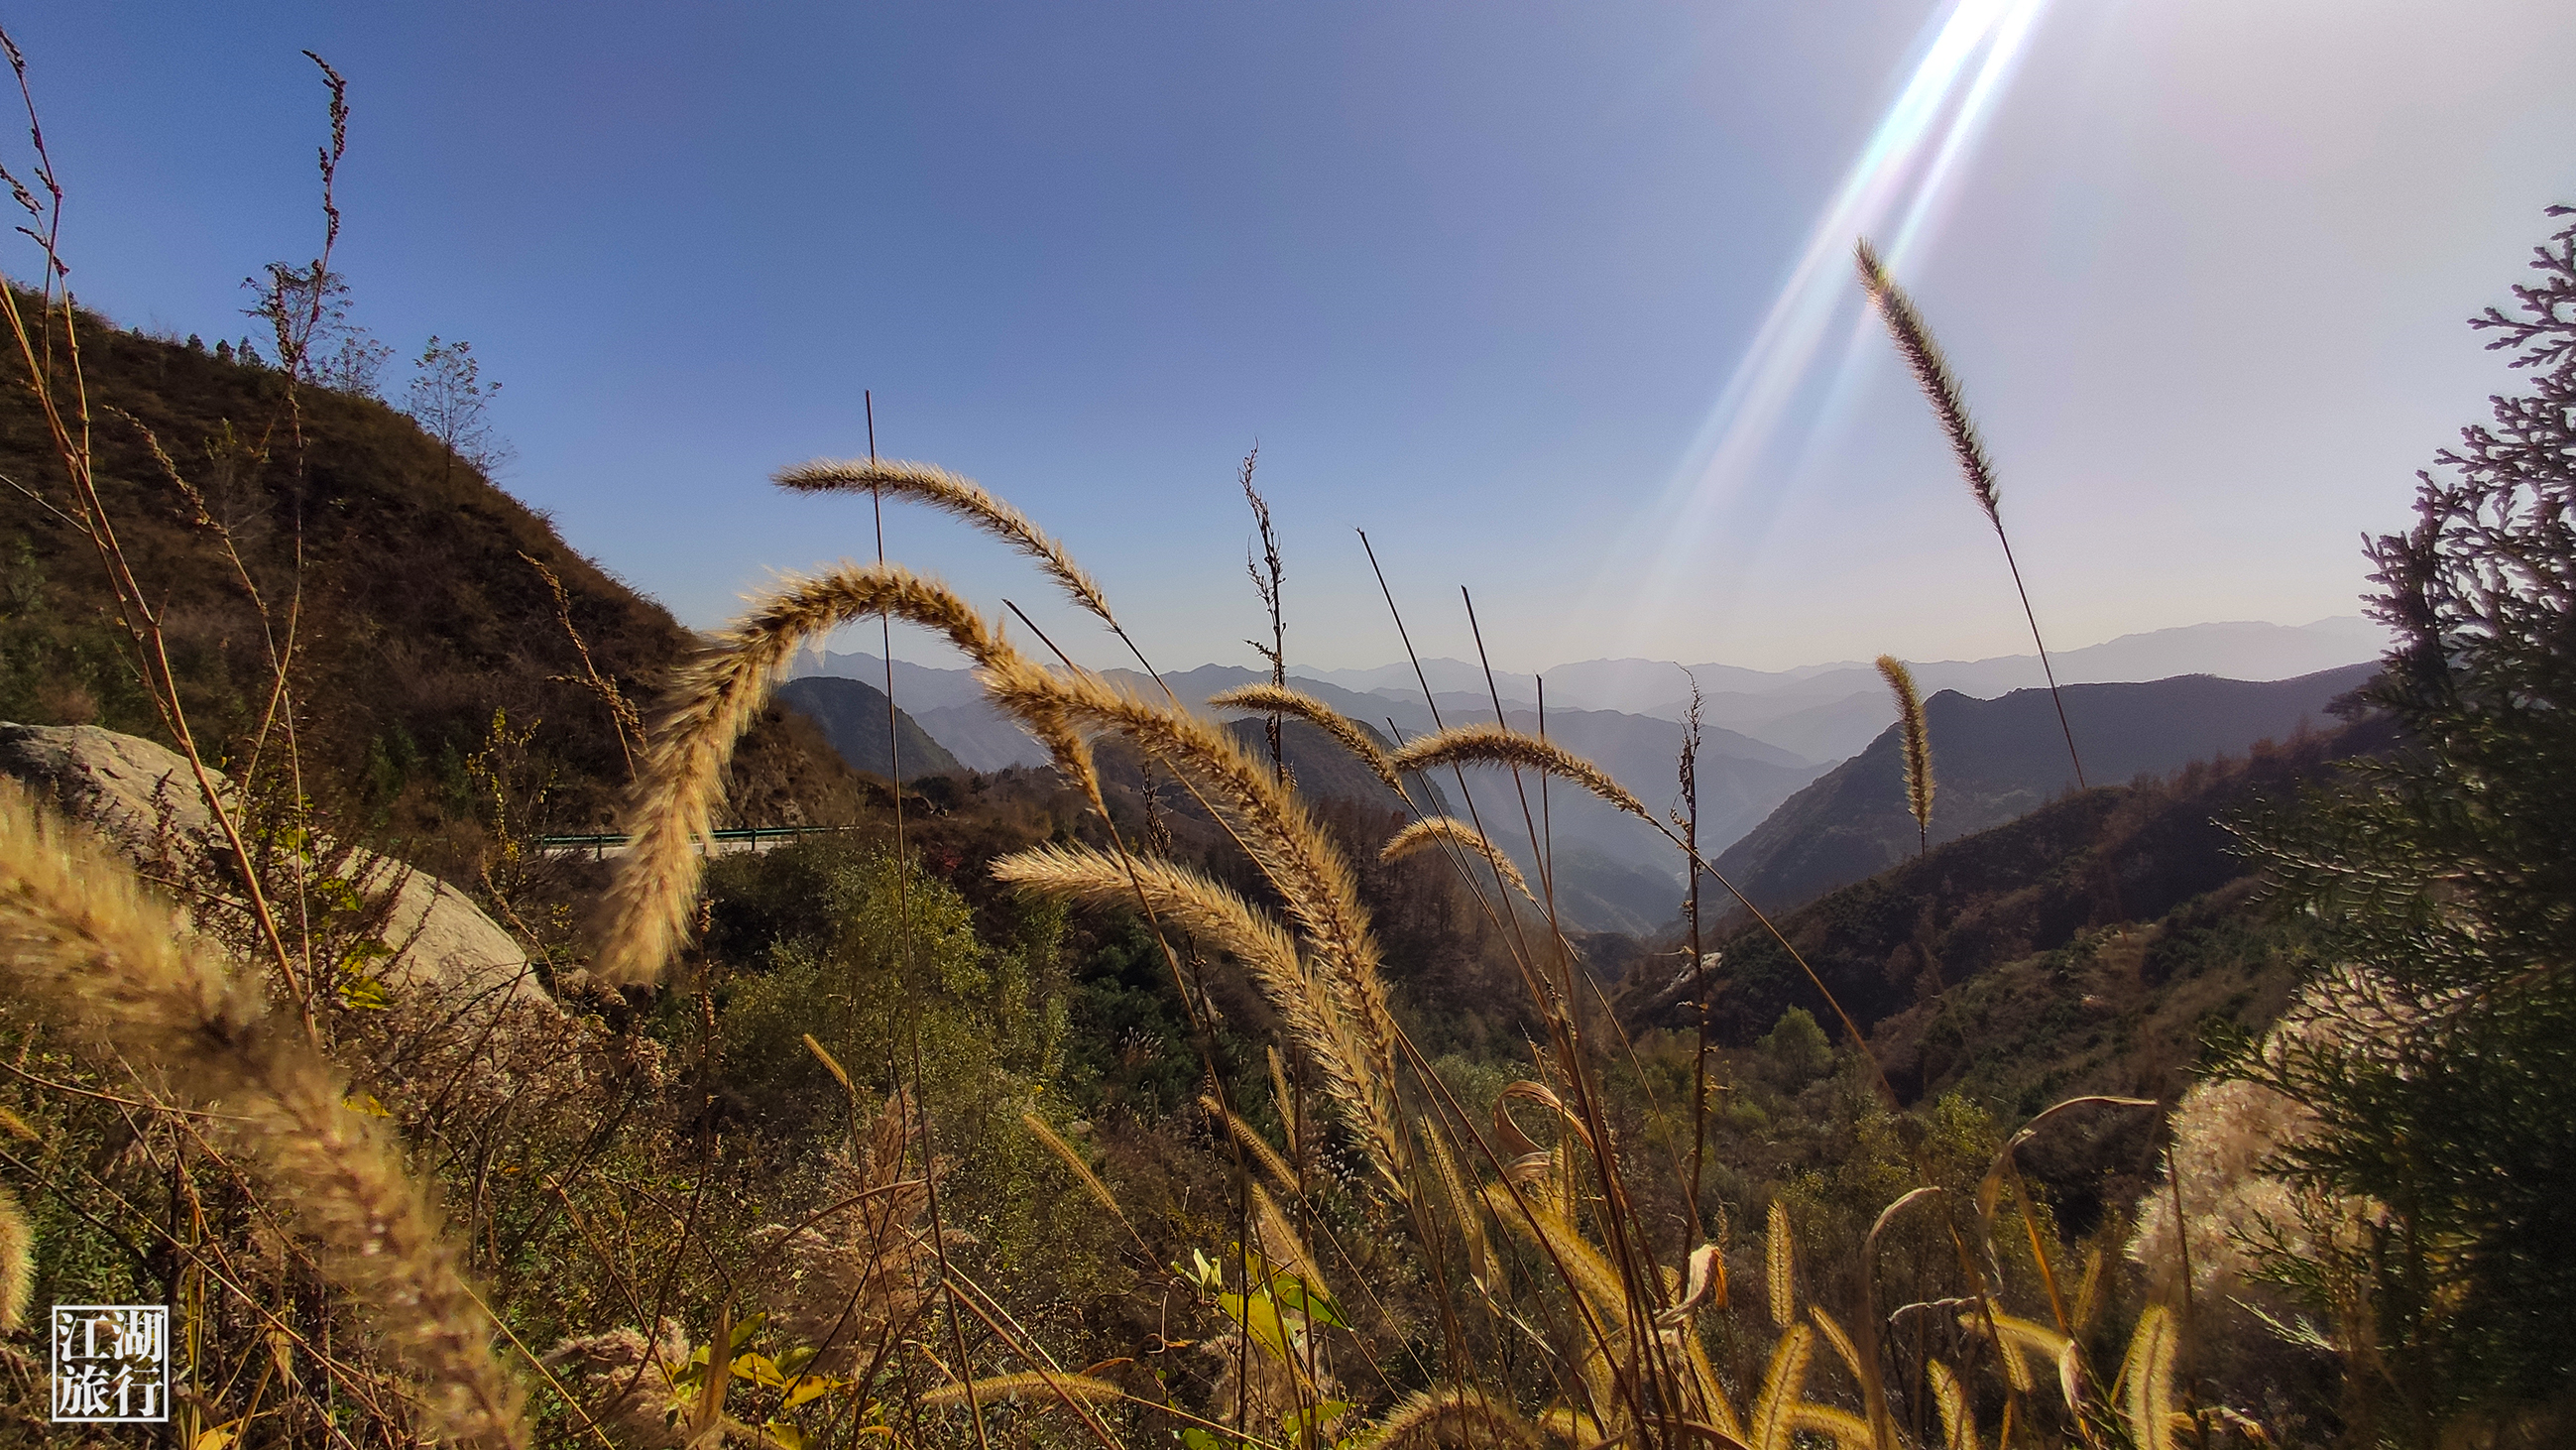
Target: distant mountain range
[
  {"x": 1821, "y": 712},
  {"x": 1995, "y": 760},
  {"x": 1766, "y": 735}
]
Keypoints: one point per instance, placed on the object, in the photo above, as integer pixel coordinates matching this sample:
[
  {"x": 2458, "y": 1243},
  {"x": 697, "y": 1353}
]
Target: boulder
[{"x": 144, "y": 799}]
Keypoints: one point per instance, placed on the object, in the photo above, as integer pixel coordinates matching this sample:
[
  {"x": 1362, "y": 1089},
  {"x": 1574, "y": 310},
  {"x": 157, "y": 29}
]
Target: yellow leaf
[
  {"x": 813, "y": 1387},
  {"x": 220, "y": 1437},
  {"x": 366, "y": 1103}
]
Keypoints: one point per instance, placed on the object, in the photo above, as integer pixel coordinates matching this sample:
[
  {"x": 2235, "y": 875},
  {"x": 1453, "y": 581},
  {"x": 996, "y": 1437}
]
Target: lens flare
[{"x": 1764, "y": 420}]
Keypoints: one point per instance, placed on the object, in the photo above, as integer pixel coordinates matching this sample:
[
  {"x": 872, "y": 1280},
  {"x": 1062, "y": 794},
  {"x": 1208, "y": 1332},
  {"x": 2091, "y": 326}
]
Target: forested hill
[
  {"x": 1994, "y": 760},
  {"x": 852, "y": 715},
  {"x": 419, "y": 614},
  {"x": 2082, "y": 947}
]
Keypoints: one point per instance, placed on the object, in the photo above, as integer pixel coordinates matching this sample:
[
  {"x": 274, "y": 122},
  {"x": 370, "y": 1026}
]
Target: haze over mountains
[{"x": 1766, "y": 736}]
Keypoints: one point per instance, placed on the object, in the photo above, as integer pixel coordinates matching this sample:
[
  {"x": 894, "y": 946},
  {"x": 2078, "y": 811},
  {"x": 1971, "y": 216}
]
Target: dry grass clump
[
  {"x": 1626, "y": 1352},
  {"x": 864, "y": 1267},
  {"x": 85, "y": 949}
]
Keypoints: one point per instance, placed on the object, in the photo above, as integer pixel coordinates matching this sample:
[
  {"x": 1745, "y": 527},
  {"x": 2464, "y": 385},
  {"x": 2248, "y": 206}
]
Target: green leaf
[
  {"x": 1317, "y": 1306},
  {"x": 365, "y": 994}
]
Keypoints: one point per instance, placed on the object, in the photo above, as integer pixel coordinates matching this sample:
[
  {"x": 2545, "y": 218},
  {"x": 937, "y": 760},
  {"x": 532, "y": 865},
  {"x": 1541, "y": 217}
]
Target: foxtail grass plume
[
  {"x": 716, "y": 698},
  {"x": 1451, "y": 1415},
  {"x": 1316, "y": 1021},
  {"x": 1263, "y": 1155},
  {"x": 1941, "y": 388},
  {"x": 1280, "y": 700},
  {"x": 84, "y": 949},
  {"x": 17, "y": 1262},
  {"x": 1282, "y": 839},
  {"x": 1932, "y": 374},
  {"x": 1958, "y": 1417},
  {"x": 1073, "y": 1164},
  {"x": 1038, "y": 1387},
  {"x": 956, "y": 494},
  {"x": 2147, "y": 1376},
  {"x": 1918, "y": 746},
  {"x": 1495, "y": 745},
  {"x": 1435, "y": 830},
  {"x": 1780, "y": 1263},
  {"x": 1775, "y": 1409}
]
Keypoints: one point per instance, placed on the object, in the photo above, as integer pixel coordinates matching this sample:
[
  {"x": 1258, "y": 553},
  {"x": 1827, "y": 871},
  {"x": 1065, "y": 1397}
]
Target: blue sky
[{"x": 1550, "y": 300}]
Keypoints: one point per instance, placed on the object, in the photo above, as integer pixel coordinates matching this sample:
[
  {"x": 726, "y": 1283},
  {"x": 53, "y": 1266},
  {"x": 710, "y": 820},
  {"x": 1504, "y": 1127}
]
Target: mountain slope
[
  {"x": 1994, "y": 760},
  {"x": 422, "y": 621},
  {"x": 852, "y": 715},
  {"x": 1898, "y": 948}
]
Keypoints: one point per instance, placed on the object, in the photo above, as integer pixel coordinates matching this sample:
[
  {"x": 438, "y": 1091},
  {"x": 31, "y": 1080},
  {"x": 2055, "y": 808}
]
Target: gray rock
[{"x": 144, "y": 799}]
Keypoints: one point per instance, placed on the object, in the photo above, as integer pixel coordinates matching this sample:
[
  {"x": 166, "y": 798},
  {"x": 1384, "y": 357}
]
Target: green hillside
[{"x": 402, "y": 577}]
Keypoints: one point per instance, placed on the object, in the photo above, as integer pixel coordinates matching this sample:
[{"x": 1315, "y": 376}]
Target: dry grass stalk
[
  {"x": 1215, "y": 915},
  {"x": 1282, "y": 840},
  {"x": 715, "y": 699},
  {"x": 1280, "y": 700},
  {"x": 17, "y": 1262},
  {"x": 1437, "y": 829},
  {"x": 621, "y": 711},
  {"x": 1450, "y": 1415},
  {"x": 1265, "y": 570},
  {"x": 86, "y": 950},
  {"x": 956, "y": 494},
  {"x": 1253, "y": 1143},
  {"x": 1495, "y": 745},
  {"x": 1918, "y": 745},
  {"x": 1941, "y": 388},
  {"x": 1036, "y": 1387}
]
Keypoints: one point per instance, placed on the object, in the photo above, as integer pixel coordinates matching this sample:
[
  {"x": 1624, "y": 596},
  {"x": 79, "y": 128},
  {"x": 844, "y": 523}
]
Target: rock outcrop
[{"x": 144, "y": 799}]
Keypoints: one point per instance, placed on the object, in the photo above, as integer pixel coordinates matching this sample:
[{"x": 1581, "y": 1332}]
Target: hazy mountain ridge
[
  {"x": 1994, "y": 760},
  {"x": 1766, "y": 735}
]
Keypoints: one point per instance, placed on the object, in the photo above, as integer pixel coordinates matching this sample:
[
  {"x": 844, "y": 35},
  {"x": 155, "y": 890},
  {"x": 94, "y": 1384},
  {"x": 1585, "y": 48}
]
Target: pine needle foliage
[{"x": 2445, "y": 1073}]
